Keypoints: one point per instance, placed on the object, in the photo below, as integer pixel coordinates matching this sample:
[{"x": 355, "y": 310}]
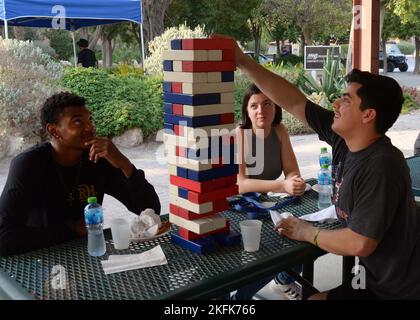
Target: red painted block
[
  {"x": 227, "y": 118},
  {"x": 189, "y": 215},
  {"x": 181, "y": 152},
  {"x": 208, "y": 44},
  {"x": 228, "y": 139},
  {"x": 178, "y": 130},
  {"x": 178, "y": 109},
  {"x": 176, "y": 87},
  {"x": 189, "y": 235},
  {"x": 208, "y": 66},
  {"x": 205, "y": 186},
  {"x": 212, "y": 195},
  {"x": 228, "y": 55}
]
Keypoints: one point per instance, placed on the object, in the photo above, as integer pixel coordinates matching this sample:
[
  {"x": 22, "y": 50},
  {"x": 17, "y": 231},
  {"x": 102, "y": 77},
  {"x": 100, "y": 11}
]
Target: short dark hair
[
  {"x": 55, "y": 105},
  {"x": 83, "y": 43},
  {"x": 381, "y": 93},
  {"x": 246, "y": 121}
]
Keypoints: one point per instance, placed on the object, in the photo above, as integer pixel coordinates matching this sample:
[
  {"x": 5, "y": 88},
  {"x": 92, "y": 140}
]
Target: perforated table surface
[
  {"x": 186, "y": 276},
  {"x": 414, "y": 165}
]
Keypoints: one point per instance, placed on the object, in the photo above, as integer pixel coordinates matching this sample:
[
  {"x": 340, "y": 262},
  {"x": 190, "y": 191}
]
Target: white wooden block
[
  {"x": 177, "y": 66},
  {"x": 192, "y": 164},
  {"x": 207, "y": 110},
  {"x": 227, "y": 97},
  {"x": 200, "y": 88},
  {"x": 214, "y": 77},
  {"x": 185, "y": 55},
  {"x": 172, "y": 170},
  {"x": 199, "y": 226},
  {"x": 188, "y": 205},
  {"x": 196, "y": 77},
  {"x": 210, "y": 131},
  {"x": 173, "y": 190},
  {"x": 214, "y": 55}
]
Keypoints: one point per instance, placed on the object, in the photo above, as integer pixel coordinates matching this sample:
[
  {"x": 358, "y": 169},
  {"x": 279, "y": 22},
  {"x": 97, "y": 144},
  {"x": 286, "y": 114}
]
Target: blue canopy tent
[{"x": 69, "y": 14}]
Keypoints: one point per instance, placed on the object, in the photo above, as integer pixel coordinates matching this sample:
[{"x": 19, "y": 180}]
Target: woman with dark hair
[
  {"x": 261, "y": 126},
  {"x": 259, "y": 171}
]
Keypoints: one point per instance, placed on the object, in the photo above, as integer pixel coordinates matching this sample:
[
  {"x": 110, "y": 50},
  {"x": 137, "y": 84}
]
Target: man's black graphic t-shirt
[{"x": 373, "y": 197}]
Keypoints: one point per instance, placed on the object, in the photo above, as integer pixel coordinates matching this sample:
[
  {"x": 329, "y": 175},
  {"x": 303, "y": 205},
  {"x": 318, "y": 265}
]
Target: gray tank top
[{"x": 272, "y": 157}]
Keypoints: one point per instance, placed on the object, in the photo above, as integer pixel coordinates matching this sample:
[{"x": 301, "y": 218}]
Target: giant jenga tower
[{"x": 199, "y": 126}]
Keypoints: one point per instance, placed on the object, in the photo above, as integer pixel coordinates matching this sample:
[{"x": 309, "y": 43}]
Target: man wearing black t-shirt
[
  {"x": 86, "y": 57},
  {"x": 48, "y": 185},
  {"x": 372, "y": 193}
]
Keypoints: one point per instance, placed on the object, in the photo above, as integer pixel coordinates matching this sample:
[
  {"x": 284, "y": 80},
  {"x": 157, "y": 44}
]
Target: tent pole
[
  {"x": 142, "y": 47},
  {"x": 74, "y": 48},
  {"x": 6, "y": 30}
]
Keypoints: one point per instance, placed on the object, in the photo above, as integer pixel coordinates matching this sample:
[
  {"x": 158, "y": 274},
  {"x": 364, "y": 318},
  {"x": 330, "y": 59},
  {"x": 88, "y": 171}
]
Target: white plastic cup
[
  {"x": 120, "y": 230},
  {"x": 251, "y": 234}
]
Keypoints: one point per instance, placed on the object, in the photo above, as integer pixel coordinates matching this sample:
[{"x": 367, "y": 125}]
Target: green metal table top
[
  {"x": 187, "y": 275},
  {"x": 414, "y": 165}
]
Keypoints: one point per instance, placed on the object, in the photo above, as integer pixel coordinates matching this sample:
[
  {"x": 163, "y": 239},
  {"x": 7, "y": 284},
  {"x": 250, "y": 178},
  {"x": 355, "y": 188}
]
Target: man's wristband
[{"x": 315, "y": 241}]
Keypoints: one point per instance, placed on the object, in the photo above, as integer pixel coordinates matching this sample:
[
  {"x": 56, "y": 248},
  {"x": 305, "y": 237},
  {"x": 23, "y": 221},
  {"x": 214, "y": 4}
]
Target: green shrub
[
  {"x": 126, "y": 70},
  {"x": 406, "y": 48},
  {"x": 129, "y": 101},
  {"x": 292, "y": 60},
  {"x": 61, "y": 42},
  {"x": 411, "y": 99}
]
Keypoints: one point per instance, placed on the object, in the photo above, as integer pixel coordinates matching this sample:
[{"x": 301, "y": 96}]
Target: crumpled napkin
[
  {"x": 145, "y": 225},
  {"x": 125, "y": 262},
  {"x": 284, "y": 194},
  {"x": 322, "y": 216}
]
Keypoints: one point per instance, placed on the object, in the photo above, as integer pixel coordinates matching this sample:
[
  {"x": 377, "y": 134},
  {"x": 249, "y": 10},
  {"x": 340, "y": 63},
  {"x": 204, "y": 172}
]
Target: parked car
[
  {"x": 395, "y": 59},
  {"x": 262, "y": 58}
]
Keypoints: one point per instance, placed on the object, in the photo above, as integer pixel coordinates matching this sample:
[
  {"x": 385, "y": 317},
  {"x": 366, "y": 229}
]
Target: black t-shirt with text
[
  {"x": 373, "y": 197},
  {"x": 40, "y": 195}
]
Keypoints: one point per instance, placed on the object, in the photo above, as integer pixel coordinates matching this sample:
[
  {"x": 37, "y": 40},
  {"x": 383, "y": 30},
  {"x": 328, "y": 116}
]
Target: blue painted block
[
  {"x": 200, "y": 246},
  {"x": 183, "y": 193},
  {"x": 168, "y": 65},
  {"x": 167, "y": 86},
  {"x": 167, "y": 108},
  {"x": 182, "y": 172},
  {"x": 169, "y": 127},
  {"x": 194, "y": 122},
  {"x": 228, "y": 76},
  {"x": 205, "y": 175},
  {"x": 231, "y": 239},
  {"x": 192, "y": 100},
  {"x": 176, "y": 44}
]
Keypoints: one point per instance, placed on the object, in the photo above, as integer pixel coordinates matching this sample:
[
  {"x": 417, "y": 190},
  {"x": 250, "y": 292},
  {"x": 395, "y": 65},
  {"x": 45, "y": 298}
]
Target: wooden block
[
  {"x": 207, "y": 66},
  {"x": 168, "y": 65},
  {"x": 177, "y": 87},
  {"x": 194, "y": 100},
  {"x": 210, "y": 131},
  {"x": 182, "y": 172},
  {"x": 178, "y": 109},
  {"x": 208, "y": 44},
  {"x": 176, "y": 66},
  {"x": 206, "y": 110},
  {"x": 195, "y": 77},
  {"x": 186, "y": 142},
  {"x": 203, "y": 187},
  {"x": 199, "y": 226},
  {"x": 215, "y": 55},
  {"x": 185, "y": 55},
  {"x": 189, "y": 235},
  {"x": 228, "y": 55},
  {"x": 226, "y": 97},
  {"x": 188, "y": 215},
  {"x": 167, "y": 86},
  {"x": 176, "y": 44},
  {"x": 192, "y": 164},
  {"x": 167, "y": 108},
  {"x": 172, "y": 170},
  {"x": 199, "y": 246},
  {"x": 198, "y": 198},
  {"x": 211, "y": 174},
  {"x": 232, "y": 238},
  {"x": 200, "y": 88},
  {"x": 184, "y": 203},
  {"x": 226, "y": 118},
  {"x": 214, "y": 77}
]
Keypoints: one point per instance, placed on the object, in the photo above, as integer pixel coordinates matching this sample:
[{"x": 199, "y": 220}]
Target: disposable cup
[
  {"x": 251, "y": 234},
  {"x": 120, "y": 230}
]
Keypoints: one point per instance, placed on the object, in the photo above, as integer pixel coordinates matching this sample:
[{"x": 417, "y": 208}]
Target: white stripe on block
[
  {"x": 196, "y": 77},
  {"x": 200, "y": 88},
  {"x": 214, "y": 55},
  {"x": 227, "y": 97},
  {"x": 185, "y": 55},
  {"x": 207, "y": 110},
  {"x": 188, "y": 205},
  {"x": 177, "y": 66},
  {"x": 199, "y": 226},
  {"x": 172, "y": 170},
  {"x": 192, "y": 143},
  {"x": 191, "y": 164}
]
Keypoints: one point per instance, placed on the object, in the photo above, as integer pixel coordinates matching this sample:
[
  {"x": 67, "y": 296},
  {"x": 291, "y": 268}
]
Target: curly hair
[{"x": 55, "y": 105}]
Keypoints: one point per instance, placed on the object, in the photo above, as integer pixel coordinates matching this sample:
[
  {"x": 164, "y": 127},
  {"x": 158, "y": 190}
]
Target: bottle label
[{"x": 94, "y": 217}]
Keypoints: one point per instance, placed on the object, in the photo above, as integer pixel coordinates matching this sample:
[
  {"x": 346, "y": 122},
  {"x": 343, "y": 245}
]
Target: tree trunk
[
  {"x": 257, "y": 39},
  {"x": 384, "y": 56},
  {"x": 106, "y": 52},
  {"x": 417, "y": 56},
  {"x": 302, "y": 44},
  {"x": 349, "y": 60},
  {"x": 278, "y": 44}
]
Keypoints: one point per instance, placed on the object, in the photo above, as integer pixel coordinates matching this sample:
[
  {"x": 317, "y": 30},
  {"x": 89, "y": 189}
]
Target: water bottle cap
[
  {"x": 92, "y": 200},
  {"x": 324, "y": 166},
  {"x": 324, "y": 149}
]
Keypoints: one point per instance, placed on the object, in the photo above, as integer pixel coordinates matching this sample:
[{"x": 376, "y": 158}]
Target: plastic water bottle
[
  {"x": 324, "y": 187},
  {"x": 94, "y": 217},
  {"x": 325, "y": 157}
]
